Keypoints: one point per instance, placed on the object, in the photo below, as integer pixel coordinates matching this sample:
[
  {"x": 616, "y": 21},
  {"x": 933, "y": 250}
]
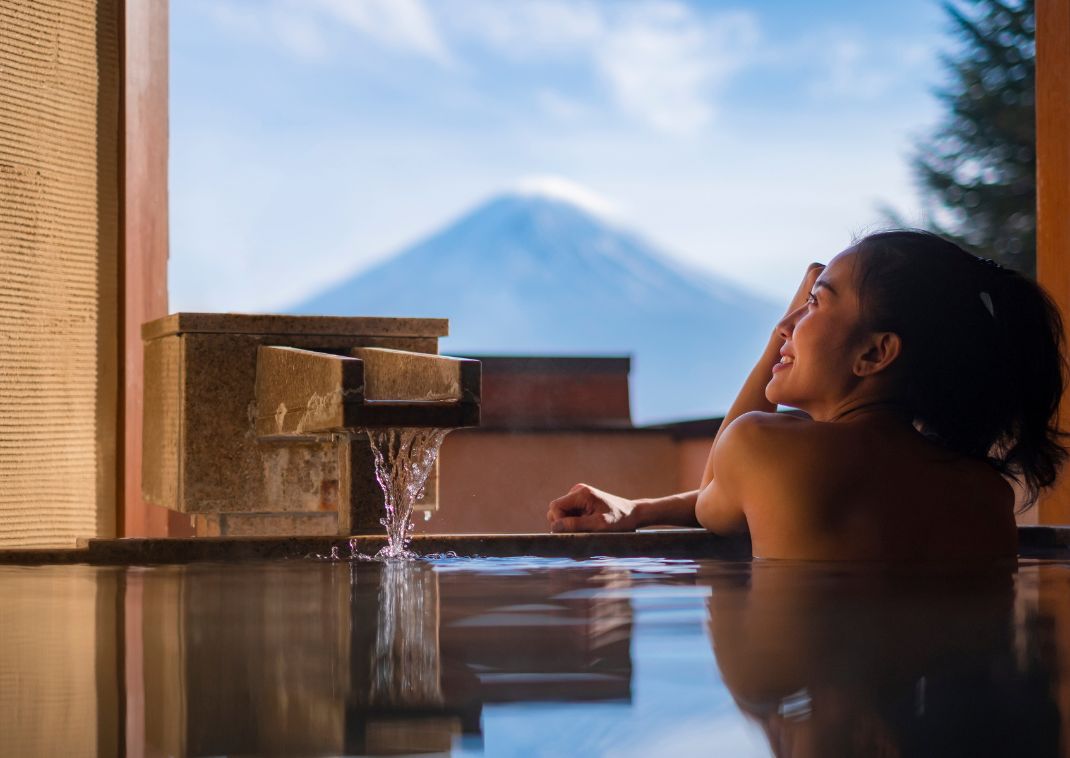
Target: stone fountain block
[
  {"x": 300, "y": 392},
  {"x": 204, "y": 450}
]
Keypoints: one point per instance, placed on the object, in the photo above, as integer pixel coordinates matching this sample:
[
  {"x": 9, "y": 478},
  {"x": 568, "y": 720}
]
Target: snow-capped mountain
[{"x": 534, "y": 273}]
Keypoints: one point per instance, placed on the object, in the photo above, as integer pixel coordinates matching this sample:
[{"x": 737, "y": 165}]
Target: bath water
[{"x": 534, "y": 657}]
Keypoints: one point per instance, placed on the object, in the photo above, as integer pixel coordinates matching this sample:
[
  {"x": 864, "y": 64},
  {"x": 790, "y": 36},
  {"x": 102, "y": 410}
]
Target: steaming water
[{"x": 403, "y": 459}]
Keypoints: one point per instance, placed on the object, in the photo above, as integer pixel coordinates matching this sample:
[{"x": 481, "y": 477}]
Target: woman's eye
[{"x": 811, "y": 300}]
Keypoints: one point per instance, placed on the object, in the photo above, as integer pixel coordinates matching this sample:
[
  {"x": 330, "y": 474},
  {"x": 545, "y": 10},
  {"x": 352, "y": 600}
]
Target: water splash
[
  {"x": 403, "y": 460},
  {"x": 349, "y": 553}
]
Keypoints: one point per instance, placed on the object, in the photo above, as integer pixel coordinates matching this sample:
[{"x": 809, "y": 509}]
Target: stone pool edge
[
  {"x": 1034, "y": 542},
  {"x": 134, "y": 551}
]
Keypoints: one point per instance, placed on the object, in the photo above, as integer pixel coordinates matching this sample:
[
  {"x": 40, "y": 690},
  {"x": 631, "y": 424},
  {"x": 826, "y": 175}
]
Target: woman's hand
[{"x": 587, "y": 509}]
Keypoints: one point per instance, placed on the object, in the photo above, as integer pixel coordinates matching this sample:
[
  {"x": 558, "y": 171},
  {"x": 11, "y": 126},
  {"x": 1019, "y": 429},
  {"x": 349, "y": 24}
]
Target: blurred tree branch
[{"x": 977, "y": 172}]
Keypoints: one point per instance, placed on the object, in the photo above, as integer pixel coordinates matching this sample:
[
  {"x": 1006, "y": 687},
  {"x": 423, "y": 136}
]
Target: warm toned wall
[
  {"x": 500, "y": 482},
  {"x": 1053, "y": 193},
  {"x": 691, "y": 456},
  {"x": 59, "y": 251}
]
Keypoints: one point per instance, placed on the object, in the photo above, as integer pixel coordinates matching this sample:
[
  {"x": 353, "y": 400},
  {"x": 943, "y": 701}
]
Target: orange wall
[
  {"x": 1053, "y": 193},
  {"x": 500, "y": 482},
  {"x": 691, "y": 455}
]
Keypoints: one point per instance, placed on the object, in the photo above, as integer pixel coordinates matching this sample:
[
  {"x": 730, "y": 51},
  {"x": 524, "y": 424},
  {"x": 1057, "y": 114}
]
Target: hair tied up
[
  {"x": 987, "y": 300},
  {"x": 989, "y": 265}
]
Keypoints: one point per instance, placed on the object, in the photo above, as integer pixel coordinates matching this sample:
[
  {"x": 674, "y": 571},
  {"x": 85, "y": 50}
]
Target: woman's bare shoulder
[
  {"x": 770, "y": 444},
  {"x": 763, "y": 429}
]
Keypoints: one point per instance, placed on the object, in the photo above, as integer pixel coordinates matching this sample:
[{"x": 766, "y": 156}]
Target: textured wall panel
[{"x": 59, "y": 161}]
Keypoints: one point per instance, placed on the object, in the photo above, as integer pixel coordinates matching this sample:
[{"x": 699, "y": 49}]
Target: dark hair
[{"x": 982, "y": 367}]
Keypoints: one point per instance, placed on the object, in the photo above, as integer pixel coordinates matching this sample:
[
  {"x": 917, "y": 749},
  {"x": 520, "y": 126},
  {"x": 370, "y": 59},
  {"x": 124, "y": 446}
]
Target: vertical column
[
  {"x": 1053, "y": 192},
  {"x": 144, "y": 239}
]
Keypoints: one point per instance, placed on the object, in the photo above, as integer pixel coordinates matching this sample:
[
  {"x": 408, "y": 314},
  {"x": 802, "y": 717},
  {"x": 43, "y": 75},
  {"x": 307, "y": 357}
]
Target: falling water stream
[{"x": 403, "y": 460}]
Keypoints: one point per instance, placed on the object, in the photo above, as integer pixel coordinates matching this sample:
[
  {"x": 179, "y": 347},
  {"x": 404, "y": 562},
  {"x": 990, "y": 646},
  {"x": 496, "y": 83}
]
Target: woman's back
[{"x": 871, "y": 490}]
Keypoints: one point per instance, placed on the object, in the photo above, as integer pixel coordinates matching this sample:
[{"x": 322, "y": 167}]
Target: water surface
[{"x": 534, "y": 657}]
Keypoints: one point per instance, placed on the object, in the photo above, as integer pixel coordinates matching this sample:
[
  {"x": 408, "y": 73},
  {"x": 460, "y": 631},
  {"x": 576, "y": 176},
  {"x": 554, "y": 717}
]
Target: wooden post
[
  {"x": 1053, "y": 192},
  {"x": 144, "y": 238}
]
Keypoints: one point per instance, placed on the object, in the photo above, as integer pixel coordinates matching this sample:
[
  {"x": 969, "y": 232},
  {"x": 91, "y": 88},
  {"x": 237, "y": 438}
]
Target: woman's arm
[
  {"x": 586, "y": 508},
  {"x": 751, "y": 396},
  {"x": 718, "y": 505}
]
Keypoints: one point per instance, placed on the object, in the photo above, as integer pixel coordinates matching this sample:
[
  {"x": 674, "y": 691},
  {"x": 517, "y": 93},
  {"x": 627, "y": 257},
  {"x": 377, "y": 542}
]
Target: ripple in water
[{"x": 403, "y": 460}]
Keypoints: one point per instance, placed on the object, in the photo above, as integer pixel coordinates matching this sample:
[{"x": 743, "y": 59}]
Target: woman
[{"x": 930, "y": 381}]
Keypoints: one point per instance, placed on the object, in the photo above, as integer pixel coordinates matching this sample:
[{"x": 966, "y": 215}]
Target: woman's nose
[{"x": 787, "y": 325}]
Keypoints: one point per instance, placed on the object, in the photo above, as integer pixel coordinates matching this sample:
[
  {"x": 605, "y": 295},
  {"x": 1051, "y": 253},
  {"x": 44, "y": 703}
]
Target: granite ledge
[
  {"x": 1034, "y": 542},
  {"x": 691, "y": 543}
]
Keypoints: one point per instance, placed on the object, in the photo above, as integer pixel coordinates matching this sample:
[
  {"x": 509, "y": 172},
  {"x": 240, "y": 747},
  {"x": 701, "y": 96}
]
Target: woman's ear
[{"x": 881, "y": 351}]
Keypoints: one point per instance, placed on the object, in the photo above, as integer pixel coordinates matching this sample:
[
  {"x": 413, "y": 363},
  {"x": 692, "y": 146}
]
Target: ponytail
[
  {"x": 1031, "y": 449},
  {"x": 983, "y": 366}
]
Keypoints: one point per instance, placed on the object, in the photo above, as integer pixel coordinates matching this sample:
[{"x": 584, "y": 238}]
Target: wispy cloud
[
  {"x": 403, "y": 25},
  {"x": 664, "y": 64},
  {"x": 849, "y": 64},
  {"x": 309, "y": 29},
  {"x": 525, "y": 29},
  {"x": 660, "y": 62}
]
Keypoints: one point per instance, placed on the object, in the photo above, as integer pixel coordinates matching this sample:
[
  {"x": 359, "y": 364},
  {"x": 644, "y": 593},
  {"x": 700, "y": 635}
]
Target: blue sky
[{"x": 310, "y": 138}]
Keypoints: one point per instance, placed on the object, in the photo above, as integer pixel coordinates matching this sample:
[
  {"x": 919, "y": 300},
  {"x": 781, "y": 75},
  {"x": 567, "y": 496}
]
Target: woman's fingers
[
  {"x": 803, "y": 293},
  {"x": 575, "y": 503},
  {"x": 565, "y": 506},
  {"x": 812, "y": 272}
]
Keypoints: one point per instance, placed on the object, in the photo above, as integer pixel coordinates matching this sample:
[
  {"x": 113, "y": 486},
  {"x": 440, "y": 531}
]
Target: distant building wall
[
  {"x": 59, "y": 269},
  {"x": 548, "y": 423},
  {"x": 495, "y": 482},
  {"x": 548, "y": 392}
]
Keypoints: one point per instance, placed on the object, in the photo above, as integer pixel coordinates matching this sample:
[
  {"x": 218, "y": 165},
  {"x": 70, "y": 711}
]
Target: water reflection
[
  {"x": 876, "y": 662},
  {"x": 312, "y": 658},
  {"x": 365, "y": 658}
]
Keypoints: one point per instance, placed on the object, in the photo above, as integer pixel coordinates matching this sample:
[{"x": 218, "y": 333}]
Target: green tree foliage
[{"x": 978, "y": 171}]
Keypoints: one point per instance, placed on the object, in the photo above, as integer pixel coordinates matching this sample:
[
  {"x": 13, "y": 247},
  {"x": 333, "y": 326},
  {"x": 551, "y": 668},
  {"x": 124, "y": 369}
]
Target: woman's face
[{"x": 821, "y": 343}]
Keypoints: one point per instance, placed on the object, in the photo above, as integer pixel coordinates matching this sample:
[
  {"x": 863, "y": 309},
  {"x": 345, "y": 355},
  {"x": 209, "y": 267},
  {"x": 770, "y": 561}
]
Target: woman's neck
[{"x": 869, "y": 410}]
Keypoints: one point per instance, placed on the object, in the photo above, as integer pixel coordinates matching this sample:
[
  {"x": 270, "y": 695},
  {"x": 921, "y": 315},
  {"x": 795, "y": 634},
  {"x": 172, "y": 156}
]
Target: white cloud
[
  {"x": 660, "y": 61},
  {"x": 307, "y": 28},
  {"x": 664, "y": 63},
  {"x": 299, "y": 33},
  {"x": 846, "y": 73},
  {"x": 293, "y": 29},
  {"x": 848, "y": 64},
  {"x": 559, "y": 106},
  {"x": 522, "y": 29},
  {"x": 403, "y": 25}
]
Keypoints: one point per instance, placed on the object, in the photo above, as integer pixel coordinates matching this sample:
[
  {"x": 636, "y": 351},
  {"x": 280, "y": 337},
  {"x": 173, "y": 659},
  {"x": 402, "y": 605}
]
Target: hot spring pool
[{"x": 535, "y": 656}]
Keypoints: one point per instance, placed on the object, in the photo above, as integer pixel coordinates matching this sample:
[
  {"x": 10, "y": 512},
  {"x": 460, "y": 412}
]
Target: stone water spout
[{"x": 256, "y": 425}]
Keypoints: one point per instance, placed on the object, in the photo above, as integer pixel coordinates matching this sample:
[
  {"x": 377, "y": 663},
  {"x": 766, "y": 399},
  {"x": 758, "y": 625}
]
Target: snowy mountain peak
[{"x": 562, "y": 190}]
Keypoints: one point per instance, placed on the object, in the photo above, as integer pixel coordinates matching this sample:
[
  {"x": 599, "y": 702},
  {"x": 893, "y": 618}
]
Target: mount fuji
[{"x": 541, "y": 273}]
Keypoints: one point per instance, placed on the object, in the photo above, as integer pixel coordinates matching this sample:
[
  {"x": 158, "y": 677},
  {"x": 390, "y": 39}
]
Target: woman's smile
[{"x": 786, "y": 361}]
